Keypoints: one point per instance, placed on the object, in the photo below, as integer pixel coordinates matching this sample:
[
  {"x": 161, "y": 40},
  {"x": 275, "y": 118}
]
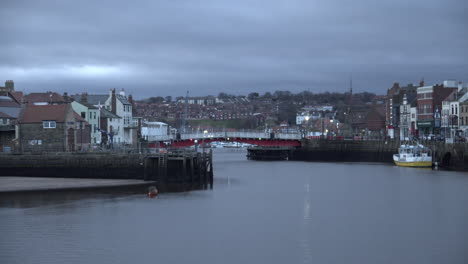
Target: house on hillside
[{"x": 52, "y": 128}]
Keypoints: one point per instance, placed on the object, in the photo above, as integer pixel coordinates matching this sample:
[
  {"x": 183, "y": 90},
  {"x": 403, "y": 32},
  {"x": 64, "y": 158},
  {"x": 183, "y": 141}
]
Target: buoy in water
[{"x": 152, "y": 191}]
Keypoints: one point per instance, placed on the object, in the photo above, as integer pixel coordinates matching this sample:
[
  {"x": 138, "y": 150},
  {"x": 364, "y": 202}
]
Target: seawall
[
  {"x": 449, "y": 156},
  {"x": 170, "y": 170}
]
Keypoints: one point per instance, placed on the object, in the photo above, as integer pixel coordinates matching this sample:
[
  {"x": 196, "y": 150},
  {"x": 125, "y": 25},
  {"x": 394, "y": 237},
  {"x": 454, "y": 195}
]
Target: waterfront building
[
  {"x": 414, "y": 118},
  {"x": 375, "y": 121},
  {"x": 119, "y": 105},
  {"x": 394, "y": 101},
  {"x": 406, "y": 127},
  {"x": 464, "y": 119},
  {"x": 110, "y": 126},
  {"x": 52, "y": 128},
  {"x": 151, "y": 131},
  {"x": 91, "y": 114},
  {"x": 451, "y": 111},
  {"x": 10, "y": 106},
  {"x": 429, "y": 101}
]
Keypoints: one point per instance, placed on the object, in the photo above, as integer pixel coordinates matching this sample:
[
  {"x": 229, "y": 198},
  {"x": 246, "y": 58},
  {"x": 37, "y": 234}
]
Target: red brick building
[{"x": 429, "y": 100}]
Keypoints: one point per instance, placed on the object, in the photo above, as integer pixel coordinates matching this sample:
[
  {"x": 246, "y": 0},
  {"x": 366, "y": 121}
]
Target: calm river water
[{"x": 258, "y": 212}]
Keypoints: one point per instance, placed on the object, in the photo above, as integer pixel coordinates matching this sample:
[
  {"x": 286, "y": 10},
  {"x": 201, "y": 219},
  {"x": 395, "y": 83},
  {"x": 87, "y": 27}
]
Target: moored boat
[{"x": 413, "y": 155}]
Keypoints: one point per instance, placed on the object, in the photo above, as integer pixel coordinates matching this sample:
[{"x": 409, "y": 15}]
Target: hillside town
[{"x": 55, "y": 121}]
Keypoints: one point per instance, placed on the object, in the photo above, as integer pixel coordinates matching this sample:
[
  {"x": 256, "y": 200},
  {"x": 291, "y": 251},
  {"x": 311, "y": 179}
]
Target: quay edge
[
  {"x": 448, "y": 156},
  {"x": 171, "y": 171}
]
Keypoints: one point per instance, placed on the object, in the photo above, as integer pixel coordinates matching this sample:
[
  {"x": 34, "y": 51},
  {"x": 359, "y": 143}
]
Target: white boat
[{"x": 413, "y": 155}]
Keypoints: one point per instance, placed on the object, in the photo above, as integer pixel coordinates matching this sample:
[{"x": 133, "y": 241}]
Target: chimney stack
[
  {"x": 84, "y": 97},
  {"x": 122, "y": 92},
  {"x": 10, "y": 85},
  {"x": 421, "y": 83},
  {"x": 66, "y": 97},
  {"x": 113, "y": 102}
]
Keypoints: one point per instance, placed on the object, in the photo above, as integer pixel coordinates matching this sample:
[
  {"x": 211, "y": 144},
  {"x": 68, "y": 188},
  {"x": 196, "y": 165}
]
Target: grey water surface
[{"x": 258, "y": 212}]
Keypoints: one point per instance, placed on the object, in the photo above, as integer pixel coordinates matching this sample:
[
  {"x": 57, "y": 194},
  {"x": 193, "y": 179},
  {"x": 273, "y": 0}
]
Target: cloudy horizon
[{"x": 159, "y": 48}]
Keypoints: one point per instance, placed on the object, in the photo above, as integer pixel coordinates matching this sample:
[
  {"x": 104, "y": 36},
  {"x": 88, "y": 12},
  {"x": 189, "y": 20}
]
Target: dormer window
[{"x": 49, "y": 124}]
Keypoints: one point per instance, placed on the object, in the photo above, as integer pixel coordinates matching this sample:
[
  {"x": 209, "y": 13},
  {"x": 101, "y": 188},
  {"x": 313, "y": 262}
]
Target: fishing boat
[{"x": 413, "y": 155}]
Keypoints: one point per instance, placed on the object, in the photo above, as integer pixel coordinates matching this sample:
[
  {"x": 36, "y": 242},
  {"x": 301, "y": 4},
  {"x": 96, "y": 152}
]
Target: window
[
  {"x": 49, "y": 124},
  {"x": 83, "y": 115}
]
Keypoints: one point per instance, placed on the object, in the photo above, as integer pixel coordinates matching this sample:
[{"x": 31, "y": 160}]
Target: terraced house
[{"x": 91, "y": 114}]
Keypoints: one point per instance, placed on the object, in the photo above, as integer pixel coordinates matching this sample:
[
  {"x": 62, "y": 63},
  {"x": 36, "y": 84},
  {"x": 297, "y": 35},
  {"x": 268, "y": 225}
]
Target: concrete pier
[{"x": 174, "y": 170}]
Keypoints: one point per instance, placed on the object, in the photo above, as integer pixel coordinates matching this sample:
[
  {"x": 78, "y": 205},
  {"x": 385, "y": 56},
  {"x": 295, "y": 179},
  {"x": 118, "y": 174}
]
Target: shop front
[{"x": 425, "y": 127}]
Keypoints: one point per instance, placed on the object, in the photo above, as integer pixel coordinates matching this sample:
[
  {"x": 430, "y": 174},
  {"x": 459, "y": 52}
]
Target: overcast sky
[{"x": 166, "y": 47}]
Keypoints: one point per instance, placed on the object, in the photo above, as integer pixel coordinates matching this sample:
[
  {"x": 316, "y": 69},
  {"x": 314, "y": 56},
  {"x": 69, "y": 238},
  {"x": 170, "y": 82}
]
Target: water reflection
[{"x": 258, "y": 212}]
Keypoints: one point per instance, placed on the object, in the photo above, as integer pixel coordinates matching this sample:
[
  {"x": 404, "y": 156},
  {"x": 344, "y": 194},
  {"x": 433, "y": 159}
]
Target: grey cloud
[{"x": 168, "y": 47}]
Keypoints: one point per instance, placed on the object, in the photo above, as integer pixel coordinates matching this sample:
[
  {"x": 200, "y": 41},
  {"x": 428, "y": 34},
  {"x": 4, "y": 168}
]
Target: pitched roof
[
  {"x": 122, "y": 99},
  {"x": 78, "y": 118},
  {"x": 6, "y": 101},
  {"x": 18, "y": 96},
  {"x": 3, "y": 115},
  {"x": 90, "y": 106},
  {"x": 108, "y": 114},
  {"x": 44, "y": 97},
  {"x": 93, "y": 99},
  {"x": 38, "y": 113}
]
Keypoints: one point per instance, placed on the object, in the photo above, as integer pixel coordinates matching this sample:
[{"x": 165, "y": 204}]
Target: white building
[
  {"x": 112, "y": 125},
  {"x": 152, "y": 131},
  {"x": 414, "y": 118},
  {"x": 304, "y": 117},
  {"x": 405, "y": 119},
  {"x": 119, "y": 105},
  {"x": 92, "y": 115}
]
